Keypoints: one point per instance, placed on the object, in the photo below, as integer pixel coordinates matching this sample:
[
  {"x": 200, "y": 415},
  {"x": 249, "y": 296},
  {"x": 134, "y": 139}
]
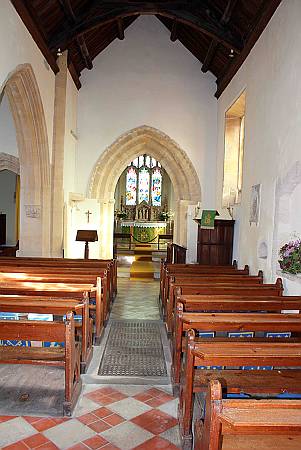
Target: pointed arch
[
  {"x": 27, "y": 110},
  {"x": 9, "y": 162},
  {"x": 126, "y": 148}
]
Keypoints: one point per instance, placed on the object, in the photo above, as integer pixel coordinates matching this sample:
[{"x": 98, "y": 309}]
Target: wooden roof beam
[
  {"x": 74, "y": 74},
  {"x": 120, "y": 29},
  {"x": 35, "y": 32},
  {"x": 80, "y": 40},
  {"x": 182, "y": 12},
  {"x": 174, "y": 31},
  {"x": 214, "y": 43},
  {"x": 258, "y": 27}
]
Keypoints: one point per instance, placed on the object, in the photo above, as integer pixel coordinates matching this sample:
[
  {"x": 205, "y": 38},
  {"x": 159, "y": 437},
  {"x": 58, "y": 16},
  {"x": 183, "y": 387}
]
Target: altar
[{"x": 144, "y": 232}]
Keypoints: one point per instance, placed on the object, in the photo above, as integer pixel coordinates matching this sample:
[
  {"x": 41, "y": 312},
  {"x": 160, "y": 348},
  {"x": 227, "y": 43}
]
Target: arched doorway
[
  {"x": 114, "y": 159},
  {"x": 9, "y": 199},
  {"x": 26, "y": 107}
]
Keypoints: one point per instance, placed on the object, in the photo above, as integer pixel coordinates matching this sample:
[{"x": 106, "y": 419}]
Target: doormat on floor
[
  {"x": 133, "y": 348},
  {"x": 31, "y": 390}
]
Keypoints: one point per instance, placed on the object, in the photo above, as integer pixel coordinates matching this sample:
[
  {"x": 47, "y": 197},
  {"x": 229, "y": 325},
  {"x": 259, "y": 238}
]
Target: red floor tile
[
  {"x": 95, "y": 442},
  {"x": 99, "y": 426},
  {"x": 35, "y": 440},
  {"x": 31, "y": 419},
  {"x": 79, "y": 446},
  {"x": 102, "y": 412},
  {"x": 6, "y": 418},
  {"x": 154, "y": 392},
  {"x": 48, "y": 446},
  {"x": 16, "y": 446},
  {"x": 118, "y": 396},
  {"x": 155, "y": 421},
  {"x": 156, "y": 443},
  {"x": 44, "y": 424},
  {"x": 143, "y": 396},
  {"x": 107, "y": 400},
  {"x": 110, "y": 447},
  {"x": 114, "y": 420},
  {"x": 155, "y": 402},
  {"x": 88, "y": 418}
]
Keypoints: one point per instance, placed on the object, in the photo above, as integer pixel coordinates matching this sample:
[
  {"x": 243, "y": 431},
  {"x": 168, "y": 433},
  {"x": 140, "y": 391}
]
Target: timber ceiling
[{"x": 219, "y": 33}]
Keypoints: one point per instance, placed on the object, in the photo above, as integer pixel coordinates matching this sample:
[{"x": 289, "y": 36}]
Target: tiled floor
[
  {"x": 110, "y": 417},
  {"x": 136, "y": 299}
]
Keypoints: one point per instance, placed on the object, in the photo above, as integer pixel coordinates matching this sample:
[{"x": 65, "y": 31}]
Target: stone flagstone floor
[{"x": 111, "y": 417}]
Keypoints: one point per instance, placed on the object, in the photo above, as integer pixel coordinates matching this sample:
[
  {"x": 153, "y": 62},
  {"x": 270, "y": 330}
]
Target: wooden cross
[{"x": 88, "y": 216}]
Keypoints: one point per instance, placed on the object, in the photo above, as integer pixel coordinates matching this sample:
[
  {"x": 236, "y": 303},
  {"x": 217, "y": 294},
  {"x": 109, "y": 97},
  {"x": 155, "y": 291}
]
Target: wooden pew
[
  {"x": 68, "y": 357},
  {"x": 101, "y": 311},
  {"x": 239, "y": 353},
  {"x": 170, "y": 269},
  {"x": 217, "y": 289},
  {"x": 58, "y": 306},
  {"x": 227, "y": 322},
  {"x": 109, "y": 265},
  {"x": 179, "y": 279},
  {"x": 247, "y": 424}
]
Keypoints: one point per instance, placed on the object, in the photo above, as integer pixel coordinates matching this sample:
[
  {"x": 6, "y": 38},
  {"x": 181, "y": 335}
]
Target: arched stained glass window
[
  {"x": 156, "y": 187},
  {"x": 144, "y": 184},
  {"x": 131, "y": 186},
  {"x": 144, "y": 177}
]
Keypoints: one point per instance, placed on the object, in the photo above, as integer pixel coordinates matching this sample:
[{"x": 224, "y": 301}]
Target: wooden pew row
[
  {"x": 211, "y": 277},
  {"x": 195, "y": 268},
  {"x": 58, "y": 306},
  {"x": 109, "y": 265},
  {"x": 101, "y": 311},
  {"x": 227, "y": 322},
  {"x": 247, "y": 424},
  {"x": 217, "y": 289},
  {"x": 68, "y": 357},
  {"x": 76, "y": 273},
  {"x": 171, "y": 280},
  {"x": 239, "y": 353}
]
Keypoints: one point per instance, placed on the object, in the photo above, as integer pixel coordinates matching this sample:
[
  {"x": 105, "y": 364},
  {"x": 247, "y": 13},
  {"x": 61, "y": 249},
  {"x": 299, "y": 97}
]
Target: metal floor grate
[{"x": 133, "y": 349}]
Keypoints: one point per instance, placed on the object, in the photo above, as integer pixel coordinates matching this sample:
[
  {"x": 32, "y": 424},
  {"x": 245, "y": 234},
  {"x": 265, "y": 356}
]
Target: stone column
[{"x": 57, "y": 178}]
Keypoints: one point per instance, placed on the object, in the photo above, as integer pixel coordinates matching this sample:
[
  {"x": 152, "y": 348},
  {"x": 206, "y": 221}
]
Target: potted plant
[{"x": 290, "y": 257}]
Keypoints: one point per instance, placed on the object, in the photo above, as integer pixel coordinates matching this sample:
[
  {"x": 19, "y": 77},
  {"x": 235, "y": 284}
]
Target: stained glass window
[
  {"x": 144, "y": 181},
  {"x": 131, "y": 186},
  {"x": 156, "y": 187}
]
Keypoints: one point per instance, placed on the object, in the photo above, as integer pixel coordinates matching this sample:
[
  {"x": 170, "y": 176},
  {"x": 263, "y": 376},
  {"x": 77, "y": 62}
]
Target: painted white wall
[
  {"x": 8, "y": 140},
  {"x": 148, "y": 80},
  {"x": 17, "y": 47},
  {"x": 271, "y": 76},
  {"x": 8, "y": 204}
]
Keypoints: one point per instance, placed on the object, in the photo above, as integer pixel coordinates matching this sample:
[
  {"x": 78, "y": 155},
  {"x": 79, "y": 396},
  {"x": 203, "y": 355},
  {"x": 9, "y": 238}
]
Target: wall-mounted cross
[{"x": 88, "y": 213}]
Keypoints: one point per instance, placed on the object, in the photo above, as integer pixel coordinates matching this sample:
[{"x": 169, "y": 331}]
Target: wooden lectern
[{"x": 86, "y": 236}]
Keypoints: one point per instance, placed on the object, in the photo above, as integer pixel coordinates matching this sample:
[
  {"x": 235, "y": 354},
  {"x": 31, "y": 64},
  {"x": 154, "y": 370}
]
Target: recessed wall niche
[
  {"x": 287, "y": 219},
  {"x": 262, "y": 251}
]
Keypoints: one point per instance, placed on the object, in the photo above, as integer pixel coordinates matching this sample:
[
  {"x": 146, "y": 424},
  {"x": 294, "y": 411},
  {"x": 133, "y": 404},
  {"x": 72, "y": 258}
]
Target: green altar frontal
[{"x": 144, "y": 232}]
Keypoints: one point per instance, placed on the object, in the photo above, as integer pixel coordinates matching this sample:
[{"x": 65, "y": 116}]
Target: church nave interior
[{"x": 150, "y": 224}]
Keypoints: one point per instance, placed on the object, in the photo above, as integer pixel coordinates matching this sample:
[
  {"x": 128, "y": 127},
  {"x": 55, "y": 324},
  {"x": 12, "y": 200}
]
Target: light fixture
[
  {"x": 59, "y": 52},
  {"x": 231, "y": 54}
]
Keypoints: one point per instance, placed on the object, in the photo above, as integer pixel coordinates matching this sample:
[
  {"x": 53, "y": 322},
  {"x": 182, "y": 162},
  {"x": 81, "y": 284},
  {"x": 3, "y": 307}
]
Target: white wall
[
  {"x": 17, "y": 47},
  {"x": 148, "y": 80},
  {"x": 8, "y": 140},
  {"x": 271, "y": 76},
  {"x": 8, "y": 203}
]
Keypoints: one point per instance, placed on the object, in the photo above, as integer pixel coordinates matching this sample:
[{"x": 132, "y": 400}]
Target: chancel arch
[
  {"x": 113, "y": 161},
  {"x": 26, "y": 107}
]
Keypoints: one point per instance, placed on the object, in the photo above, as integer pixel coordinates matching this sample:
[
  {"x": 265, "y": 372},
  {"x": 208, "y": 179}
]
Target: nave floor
[{"x": 108, "y": 415}]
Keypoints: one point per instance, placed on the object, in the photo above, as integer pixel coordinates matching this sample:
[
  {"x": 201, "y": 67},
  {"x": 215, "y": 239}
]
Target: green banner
[{"x": 207, "y": 220}]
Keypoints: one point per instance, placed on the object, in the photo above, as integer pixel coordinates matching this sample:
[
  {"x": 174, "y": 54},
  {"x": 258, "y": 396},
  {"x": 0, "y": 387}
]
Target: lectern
[{"x": 86, "y": 236}]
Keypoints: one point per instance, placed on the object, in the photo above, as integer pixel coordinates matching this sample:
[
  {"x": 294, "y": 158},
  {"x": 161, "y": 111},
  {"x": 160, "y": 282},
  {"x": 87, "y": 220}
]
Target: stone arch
[
  {"x": 128, "y": 146},
  {"x": 9, "y": 162},
  {"x": 27, "y": 110}
]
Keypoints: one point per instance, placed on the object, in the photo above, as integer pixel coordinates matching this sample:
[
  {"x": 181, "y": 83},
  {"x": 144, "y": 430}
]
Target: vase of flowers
[{"x": 290, "y": 257}]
